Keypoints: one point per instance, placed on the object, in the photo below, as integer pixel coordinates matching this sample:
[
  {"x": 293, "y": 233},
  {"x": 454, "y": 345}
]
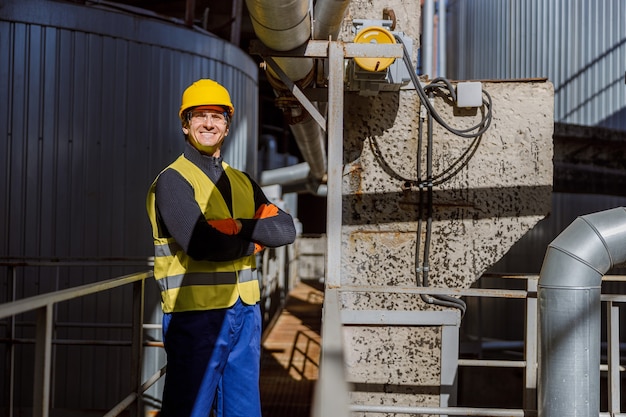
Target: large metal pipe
[
  {"x": 286, "y": 25},
  {"x": 283, "y": 26},
  {"x": 569, "y": 312},
  {"x": 328, "y": 18}
]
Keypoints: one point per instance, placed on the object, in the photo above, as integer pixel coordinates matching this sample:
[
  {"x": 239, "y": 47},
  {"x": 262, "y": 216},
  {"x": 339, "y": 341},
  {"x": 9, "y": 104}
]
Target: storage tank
[{"x": 89, "y": 117}]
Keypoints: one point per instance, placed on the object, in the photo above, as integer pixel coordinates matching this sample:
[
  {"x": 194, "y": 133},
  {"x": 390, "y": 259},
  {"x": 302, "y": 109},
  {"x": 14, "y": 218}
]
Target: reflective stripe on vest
[
  {"x": 187, "y": 284},
  {"x": 206, "y": 278}
]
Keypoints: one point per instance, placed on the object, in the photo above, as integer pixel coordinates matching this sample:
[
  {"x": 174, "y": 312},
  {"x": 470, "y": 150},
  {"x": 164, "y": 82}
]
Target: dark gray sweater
[{"x": 180, "y": 217}]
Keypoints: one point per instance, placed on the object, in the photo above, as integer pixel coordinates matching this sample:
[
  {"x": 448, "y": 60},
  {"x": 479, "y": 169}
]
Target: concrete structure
[{"x": 492, "y": 190}]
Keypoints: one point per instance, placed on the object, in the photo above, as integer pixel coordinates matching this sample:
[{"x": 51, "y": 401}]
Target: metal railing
[
  {"x": 332, "y": 391},
  {"x": 274, "y": 264},
  {"x": 43, "y": 306}
]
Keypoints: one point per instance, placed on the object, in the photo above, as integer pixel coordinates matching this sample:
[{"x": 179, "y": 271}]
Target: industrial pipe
[
  {"x": 568, "y": 293},
  {"x": 328, "y": 17},
  {"x": 283, "y": 26}
]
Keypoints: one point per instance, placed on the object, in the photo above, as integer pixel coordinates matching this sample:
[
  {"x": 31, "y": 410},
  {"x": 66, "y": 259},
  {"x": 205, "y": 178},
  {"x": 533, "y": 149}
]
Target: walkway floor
[{"x": 290, "y": 356}]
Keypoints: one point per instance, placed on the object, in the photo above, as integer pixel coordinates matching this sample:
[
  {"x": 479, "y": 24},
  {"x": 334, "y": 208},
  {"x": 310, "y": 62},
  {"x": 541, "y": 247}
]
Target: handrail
[
  {"x": 329, "y": 381},
  {"x": 38, "y": 301}
]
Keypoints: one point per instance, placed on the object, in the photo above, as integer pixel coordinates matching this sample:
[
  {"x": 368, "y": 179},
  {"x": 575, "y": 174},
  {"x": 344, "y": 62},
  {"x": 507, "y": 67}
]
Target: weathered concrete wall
[
  {"x": 489, "y": 192},
  {"x": 493, "y": 190}
]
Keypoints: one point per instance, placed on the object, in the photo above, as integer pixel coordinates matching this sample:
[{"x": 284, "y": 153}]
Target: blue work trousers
[{"x": 213, "y": 360}]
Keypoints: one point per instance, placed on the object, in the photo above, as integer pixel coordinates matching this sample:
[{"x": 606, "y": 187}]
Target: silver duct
[
  {"x": 285, "y": 25},
  {"x": 569, "y": 312},
  {"x": 328, "y": 17},
  {"x": 294, "y": 176},
  {"x": 282, "y": 26}
]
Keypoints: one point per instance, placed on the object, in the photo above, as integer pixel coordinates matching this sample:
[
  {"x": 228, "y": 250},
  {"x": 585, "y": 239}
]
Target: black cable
[
  {"x": 440, "y": 83},
  {"x": 437, "y": 85},
  {"x": 441, "y": 300}
]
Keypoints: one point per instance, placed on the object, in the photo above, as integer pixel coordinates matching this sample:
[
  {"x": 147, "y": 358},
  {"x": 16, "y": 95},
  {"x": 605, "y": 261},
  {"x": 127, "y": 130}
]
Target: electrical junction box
[
  {"x": 394, "y": 77},
  {"x": 469, "y": 94}
]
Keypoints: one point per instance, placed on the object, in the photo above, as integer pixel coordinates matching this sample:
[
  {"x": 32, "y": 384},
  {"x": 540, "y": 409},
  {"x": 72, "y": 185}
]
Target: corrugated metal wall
[
  {"x": 580, "y": 46},
  {"x": 88, "y": 117}
]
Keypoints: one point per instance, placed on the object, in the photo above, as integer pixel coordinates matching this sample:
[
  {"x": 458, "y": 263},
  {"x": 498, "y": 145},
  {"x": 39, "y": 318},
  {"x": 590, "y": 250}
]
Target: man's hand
[
  {"x": 266, "y": 210},
  {"x": 258, "y": 248},
  {"x": 226, "y": 226}
]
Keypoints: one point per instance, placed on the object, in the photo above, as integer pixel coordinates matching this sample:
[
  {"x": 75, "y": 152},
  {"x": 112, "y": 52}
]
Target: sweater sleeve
[
  {"x": 179, "y": 213},
  {"x": 273, "y": 231}
]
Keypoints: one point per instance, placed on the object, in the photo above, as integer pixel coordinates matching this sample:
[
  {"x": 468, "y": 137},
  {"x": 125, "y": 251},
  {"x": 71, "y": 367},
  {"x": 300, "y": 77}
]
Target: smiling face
[{"x": 206, "y": 128}]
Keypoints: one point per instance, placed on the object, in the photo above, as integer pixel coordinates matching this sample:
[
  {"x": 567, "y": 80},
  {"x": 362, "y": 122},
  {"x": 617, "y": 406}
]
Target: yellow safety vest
[{"x": 187, "y": 284}]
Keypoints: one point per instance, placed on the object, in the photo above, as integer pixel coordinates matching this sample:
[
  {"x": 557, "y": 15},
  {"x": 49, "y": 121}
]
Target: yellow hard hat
[{"x": 205, "y": 92}]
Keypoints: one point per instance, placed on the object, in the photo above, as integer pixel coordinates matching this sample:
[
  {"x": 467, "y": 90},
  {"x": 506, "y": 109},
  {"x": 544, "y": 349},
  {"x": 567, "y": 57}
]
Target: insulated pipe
[
  {"x": 328, "y": 17},
  {"x": 304, "y": 133},
  {"x": 568, "y": 293},
  {"x": 286, "y": 175},
  {"x": 282, "y": 26}
]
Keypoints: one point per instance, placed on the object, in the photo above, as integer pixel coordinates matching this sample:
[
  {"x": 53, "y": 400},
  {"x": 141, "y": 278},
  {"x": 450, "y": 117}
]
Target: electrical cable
[
  {"x": 426, "y": 95},
  {"x": 441, "y": 300},
  {"x": 439, "y": 84}
]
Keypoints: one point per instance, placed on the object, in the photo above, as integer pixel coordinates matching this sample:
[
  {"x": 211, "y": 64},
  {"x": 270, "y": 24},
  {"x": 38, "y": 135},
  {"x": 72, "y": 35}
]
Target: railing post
[
  {"x": 136, "y": 365},
  {"x": 612, "y": 324},
  {"x": 10, "y": 360},
  {"x": 530, "y": 346},
  {"x": 43, "y": 362}
]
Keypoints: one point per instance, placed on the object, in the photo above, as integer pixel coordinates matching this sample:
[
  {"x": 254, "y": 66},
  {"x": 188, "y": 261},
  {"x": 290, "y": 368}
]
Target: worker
[{"x": 209, "y": 221}]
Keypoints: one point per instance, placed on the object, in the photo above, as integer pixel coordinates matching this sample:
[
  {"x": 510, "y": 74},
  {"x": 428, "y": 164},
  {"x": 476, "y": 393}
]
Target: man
[{"x": 208, "y": 221}]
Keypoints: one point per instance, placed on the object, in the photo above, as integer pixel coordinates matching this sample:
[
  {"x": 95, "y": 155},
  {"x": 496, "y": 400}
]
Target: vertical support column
[
  {"x": 612, "y": 323},
  {"x": 441, "y": 38},
  {"x": 449, "y": 363},
  {"x": 530, "y": 346},
  {"x": 190, "y": 11},
  {"x": 428, "y": 13},
  {"x": 332, "y": 393},
  {"x": 10, "y": 360},
  {"x": 235, "y": 27},
  {"x": 43, "y": 362},
  {"x": 136, "y": 365},
  {"x": 335, "y": 163}
]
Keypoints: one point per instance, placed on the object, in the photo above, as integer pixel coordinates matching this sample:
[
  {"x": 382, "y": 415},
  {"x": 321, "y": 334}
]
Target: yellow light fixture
[{"x": 374, "y": 34}]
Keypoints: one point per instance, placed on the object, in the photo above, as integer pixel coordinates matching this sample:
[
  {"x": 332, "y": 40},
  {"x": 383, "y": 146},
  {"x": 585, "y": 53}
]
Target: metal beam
[
  {"x": 335, "y": 163},
  {"x": 43, "y": 361}
]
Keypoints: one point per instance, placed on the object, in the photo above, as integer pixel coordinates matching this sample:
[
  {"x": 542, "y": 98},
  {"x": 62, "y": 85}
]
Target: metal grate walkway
[{"x": 290, "y": 355}]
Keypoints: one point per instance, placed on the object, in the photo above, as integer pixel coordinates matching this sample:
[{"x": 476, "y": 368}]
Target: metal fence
[
  {"x": 43, "y": 312},
  {"x": 43, "y": 306},
  {"x": 332, "y": 394}
]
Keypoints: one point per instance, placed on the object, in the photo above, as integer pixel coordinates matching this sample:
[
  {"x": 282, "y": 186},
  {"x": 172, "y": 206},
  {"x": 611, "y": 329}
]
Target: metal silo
[{"x": 578, "y": 45}]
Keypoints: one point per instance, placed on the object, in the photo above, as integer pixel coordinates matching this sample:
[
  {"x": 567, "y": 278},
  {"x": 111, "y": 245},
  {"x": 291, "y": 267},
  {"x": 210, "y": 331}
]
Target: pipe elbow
[{"x": 586, "y": 250}]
